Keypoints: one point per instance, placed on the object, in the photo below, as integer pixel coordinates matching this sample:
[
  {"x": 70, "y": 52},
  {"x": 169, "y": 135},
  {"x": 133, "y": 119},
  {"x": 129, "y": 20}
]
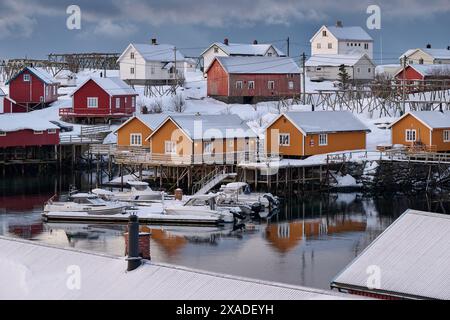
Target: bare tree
[
  {"x": 156, "y": 106},
  {"x": 178, "y": 103}
]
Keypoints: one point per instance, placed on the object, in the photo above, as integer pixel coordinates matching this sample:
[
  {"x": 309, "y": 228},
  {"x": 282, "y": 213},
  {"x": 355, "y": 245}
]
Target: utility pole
[
  {"x": 303, "y": 78},
  {"x": 288, "y": 47},
  {"x": 176, "y": 70},
  {"x": 404, "y": 85}
]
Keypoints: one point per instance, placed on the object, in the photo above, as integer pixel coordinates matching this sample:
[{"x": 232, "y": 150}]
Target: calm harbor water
[{"x": 308, "y": 243}]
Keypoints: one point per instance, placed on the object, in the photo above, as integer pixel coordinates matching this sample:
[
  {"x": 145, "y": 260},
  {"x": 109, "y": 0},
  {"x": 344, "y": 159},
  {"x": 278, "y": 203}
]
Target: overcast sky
[{"x": 35, "y": 28}]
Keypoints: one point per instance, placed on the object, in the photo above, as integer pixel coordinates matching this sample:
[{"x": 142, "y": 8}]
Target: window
[
  {"x": 170, "y": 147},
  {"x": 319, "y": 46},
  {"x": 239, "y": 84},
  {"x": 348, "y": 44},
  {"x": 269, "y": 54},
  {"x": 285, "y": 139},
  {"x": 216, "y": 50},
  {"x": 271, "y": 85},
  {"x": 152, "y": 69},
  {"x": 26, "y": 77},
  {"x": 323, "y": 139},
  {"x": 132, "y": 55},
  {"x": 131, "y": 70},
  {"x": 366, "y": 46},
  {"x": 55, "y": 90},
  {"x": 135, "y": 139},
  {"x": 38, "y": 132},
  {"x": 369, "y": 70},
  {"x": 51, "y": 131},
  {"x": 318, "y": 69},
  {"x": 2, "y": 134},
  {"x": 133, "y": 102},
  {"x": 291, "y": 85},
  {"x": 420, "y": 61},
  {"x": 324, "y": 33},
  {"x": 359, "y": 44},
  {"x": 446, "y": 135},
  {"x": 251, "y": 84},
  {"x": 208, "y": 147},
  {"x": 358, "y": 70},
  {"x": 351, "y": 44},
  {"x": 330, "y": 45},
  {"x": 92, "y": 102},
  {"x": 411, "y": 135},
  {"x": 117, "y": 103},
  {"x": 47, "y": 92}
]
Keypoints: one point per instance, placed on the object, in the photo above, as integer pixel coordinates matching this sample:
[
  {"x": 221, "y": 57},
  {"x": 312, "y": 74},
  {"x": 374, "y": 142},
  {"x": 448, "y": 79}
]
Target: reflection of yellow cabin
[
  {"x": 299, "y": 134},
  {"x": 220, "y": 138},
  {"x": 169, "y": 244},
  {"x": 133, "y": 132},
  {"x": 286, "y": 236}
]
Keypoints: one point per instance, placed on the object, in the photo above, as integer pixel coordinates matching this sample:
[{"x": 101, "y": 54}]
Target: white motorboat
[
  {"x": 87, "y": 203},
  {"x": 201, "y": 205},
  {"x": 139, "y": 191},
  {"x": 239, "y": 193}
]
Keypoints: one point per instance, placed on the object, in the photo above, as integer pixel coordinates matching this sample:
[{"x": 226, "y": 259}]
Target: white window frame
[
  {"x": 323, "y": 139},
  {"x": 170, "y": 147},
  {"x": 152, "y": 69},
  {"x": 54, "y": 90},
  {"x": 51, "y": 131},
  {"x": 133, "y": 102},
  {"x": 118, "y": 102},
  {"x": 132, "y": 55},
  {"x": 251, "y": 85},
  {"x": 38, "y": 132},
  {"x": 239, "y": 85},
  {"x": 216, "y": 50},
  {"x": 291, "y": 85},
  {"x": 408, "y": 135},
  {"x": 366, "y": 46},
  {"x": 446, "y": 136},
  {"x": 319, "y": 45},
  {"x": 26, "y": 77},
  {"x": 280, "y": 140},
  {"x": 330, "y": 45},
  {"x": 2, "y": 134},
  {"x": 208, "y": 147},
  {"x": 132, "y": 70},
  {"x": 136, "y": 139},
  {"x": 91, "y": 104},
  {"x": 324, "y": 33},
  {"x": 271, "y": 85}
]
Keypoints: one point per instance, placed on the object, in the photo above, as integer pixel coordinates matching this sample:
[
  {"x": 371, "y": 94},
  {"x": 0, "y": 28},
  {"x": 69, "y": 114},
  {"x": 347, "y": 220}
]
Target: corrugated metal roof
[
  {"x": 30, "y": 270},
  {"x": 38, "y": 72},
  {"x": 335, "y": 60},
  {"x": 152, "y": 120},
  {"x": 24, "y": 121},
  {"x": 247, "y": 49},
  {"x": 259, "y": 65},
  {"x": 159, "y": 52},
  {"x": 434, "y": 119},
  {"x": 412, "y": 255},
  {"x": 214, "y": 126},
  {"x": 431, "y": 69},
  {"x": 350, "y": 33},
  {"x": 114, "y": 86},
  {"x": 435, "y": 53},
  {"x": 326, "y": 121}
]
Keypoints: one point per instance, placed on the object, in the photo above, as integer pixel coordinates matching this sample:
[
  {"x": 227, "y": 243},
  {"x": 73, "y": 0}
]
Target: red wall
[
  {"x": 93, "y": 90},
  {"x": 261, "y": 85},
  {"x": 410, "y": 74},
  {"x": 217, "y": 80},
  {"x": 26, "y": 138},
  {"x": 30, "y": 92},
  {"x": 9, "y": 107}
]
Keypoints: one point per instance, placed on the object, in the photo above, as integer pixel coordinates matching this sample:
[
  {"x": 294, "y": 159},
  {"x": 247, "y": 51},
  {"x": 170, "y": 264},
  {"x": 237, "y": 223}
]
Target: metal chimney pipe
[{"x": 134, "y": 260}]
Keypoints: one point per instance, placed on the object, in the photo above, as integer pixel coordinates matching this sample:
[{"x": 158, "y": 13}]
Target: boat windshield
[
  {"x": 196, "y": 202},
  {"x": 141, "y": 188}
]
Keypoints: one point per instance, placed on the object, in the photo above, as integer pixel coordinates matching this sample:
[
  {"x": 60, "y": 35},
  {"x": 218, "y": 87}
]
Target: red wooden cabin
[
  {"x": 253, "y": 79},
  {"x": 424, "y": 77},
  {"x": 30, "y": 89},
  {"x": 101, "y": 98}
]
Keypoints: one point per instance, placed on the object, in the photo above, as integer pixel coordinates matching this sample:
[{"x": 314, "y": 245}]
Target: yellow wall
[
  {"x": 438, "y": 140},
  {"x": 283, "y": 125},
  {"x": 169, "y": 131},
  {"x": 134, "y": 126},
  {"x": 410, "y": 122}
]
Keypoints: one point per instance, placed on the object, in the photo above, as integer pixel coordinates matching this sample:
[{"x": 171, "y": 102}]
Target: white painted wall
[
  {"x": 2, "y": 106},
  {"x": 415, "y": 58},
  {"x": 360, "y": 71},
  {"x": 210, "y": 55}
]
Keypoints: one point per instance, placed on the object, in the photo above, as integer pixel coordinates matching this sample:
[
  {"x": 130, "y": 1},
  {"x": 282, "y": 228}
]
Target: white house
[
  {"x": 140, "y": 63},
  {"x": 341, "y": 40},
  {"x": 326, "y": 66},
  {"x": 190, "y": 65},
  {"x": 227, "y": 49},
  {"x": 426, "y": 56}
]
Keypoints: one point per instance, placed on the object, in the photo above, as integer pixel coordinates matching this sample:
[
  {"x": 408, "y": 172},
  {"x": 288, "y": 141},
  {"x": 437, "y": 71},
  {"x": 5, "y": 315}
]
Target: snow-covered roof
[
  {"x": 2, "y": 94},
  {"x": 443, "y": 54},
  {"x": 31, "y": 270},
  {"x": 150, "y": 120},
  {"x": 38, "y": 72},
  {"x": 335, "y": 60},
  {"x": 432, "y": 119},
  {"x": 212, "y": 126},
  {"x": 310, "y": 122},
  {"x": 259, "y": 65},
  {"x": 156, "y": 52},
  {"x": 245, "y": 49},
  {"x": 24, "y": 121},
  {"x": 114, "y": 86},
  {"x": 430, "y": 69},
  {"x": 412, "y": 256},
  {"x": 350, "y": 33}
]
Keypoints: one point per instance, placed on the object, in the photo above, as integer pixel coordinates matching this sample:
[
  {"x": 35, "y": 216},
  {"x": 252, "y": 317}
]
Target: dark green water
[{"x": 308, "y": 243}]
